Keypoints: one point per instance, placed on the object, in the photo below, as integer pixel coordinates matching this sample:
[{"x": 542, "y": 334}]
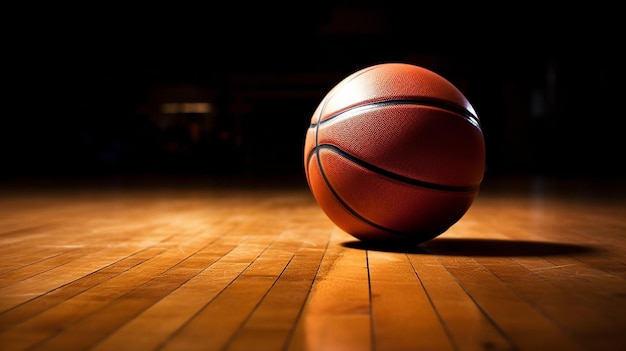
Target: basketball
[{"x": 394, "y": 153}]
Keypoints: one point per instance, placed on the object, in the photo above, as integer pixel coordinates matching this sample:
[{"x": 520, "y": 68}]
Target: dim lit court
[
  {"x": 153, "y": 196},
  {"x": 217, "y": 265}
]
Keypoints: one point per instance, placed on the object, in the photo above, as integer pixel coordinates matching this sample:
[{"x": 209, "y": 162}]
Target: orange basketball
[{"x": 394, "y": 152}]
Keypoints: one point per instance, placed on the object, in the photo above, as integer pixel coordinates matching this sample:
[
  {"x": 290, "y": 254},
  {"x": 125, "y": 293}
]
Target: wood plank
[
  {"x": 582, "y": 282},
  {"x": 240, "y": 268},
  {"x": 234, "y": 304},
  {"x": 118, "y": 312},
  {"x": 399, "y": 298},
  {"x": 45, "y": 282},
  {"x": 559, "y": 305},
  {"x": 270, "y": 325},
  {"x": 53, "y": 321},
  {"x": 158, "y": 324},
  {"x": 44, "y": 302},
  {"x": 519, "y": 321},
  {"x": 41, "y": 266},
  {"x": 466, "y": 324},
  {"x": 337, "y": 315}
]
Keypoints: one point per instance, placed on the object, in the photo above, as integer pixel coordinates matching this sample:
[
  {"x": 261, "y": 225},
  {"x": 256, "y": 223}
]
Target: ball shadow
[{"x": 476, "y": 247}]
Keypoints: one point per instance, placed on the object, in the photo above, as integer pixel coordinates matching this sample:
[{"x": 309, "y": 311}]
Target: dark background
[{"x": 84, "y": 85}]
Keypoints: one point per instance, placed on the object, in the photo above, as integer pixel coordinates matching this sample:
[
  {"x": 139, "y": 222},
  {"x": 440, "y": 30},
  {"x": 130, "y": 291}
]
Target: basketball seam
[
  {"x": 419, "y": 102},
  {"x": 467, "y": 115},
  {"x": 347, "y": 207},
  {"x": 389, "y": 174}
]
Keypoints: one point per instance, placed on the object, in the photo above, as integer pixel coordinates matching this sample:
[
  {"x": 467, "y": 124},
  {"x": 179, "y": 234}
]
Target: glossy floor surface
[{"x": 533, "y": 265}]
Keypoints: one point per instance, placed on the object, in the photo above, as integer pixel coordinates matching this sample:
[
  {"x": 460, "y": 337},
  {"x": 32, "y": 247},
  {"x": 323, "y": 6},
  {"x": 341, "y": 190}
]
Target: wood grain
[{"x": 535, "y": 264}]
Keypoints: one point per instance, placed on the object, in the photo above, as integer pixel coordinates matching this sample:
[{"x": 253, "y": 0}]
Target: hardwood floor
[{"x": 534, "y": 265}]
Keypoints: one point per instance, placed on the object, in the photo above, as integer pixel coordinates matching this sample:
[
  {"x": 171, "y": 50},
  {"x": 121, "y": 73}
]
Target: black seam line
[
  {"x": 344, "y": 204},
  {"x": 423, "y": 102},
  {"x": 391, "y": 175}
]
